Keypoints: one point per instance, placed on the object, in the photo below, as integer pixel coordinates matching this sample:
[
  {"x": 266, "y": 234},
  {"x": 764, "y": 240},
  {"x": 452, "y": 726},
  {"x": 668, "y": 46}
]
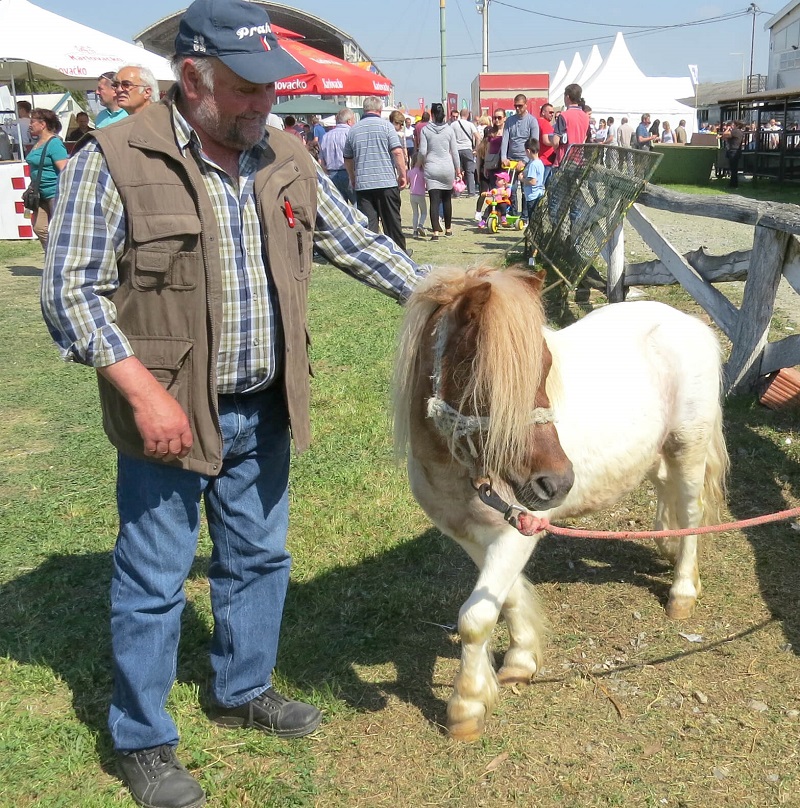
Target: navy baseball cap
[{"x": 239, "y": 34}]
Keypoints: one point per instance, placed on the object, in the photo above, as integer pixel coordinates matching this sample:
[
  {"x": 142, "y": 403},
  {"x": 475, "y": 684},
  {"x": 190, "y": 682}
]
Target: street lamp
[
  {"x": 482, "y": 7},
  {"x": 754, "y": 10}
]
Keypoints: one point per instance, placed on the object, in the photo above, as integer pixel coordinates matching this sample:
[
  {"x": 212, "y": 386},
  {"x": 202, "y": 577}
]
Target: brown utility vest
[{"x": 169, "y": 300}]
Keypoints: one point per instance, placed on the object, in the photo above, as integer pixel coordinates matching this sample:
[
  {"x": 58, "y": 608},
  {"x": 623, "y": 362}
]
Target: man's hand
[
  {"x": 163, "y": 425},
  {"x": 161, "y": 421}
]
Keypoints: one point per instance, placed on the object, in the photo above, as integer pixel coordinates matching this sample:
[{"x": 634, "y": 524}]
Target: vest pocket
[
  {"x": 164, "y": 266},
  {"x": 302, "y": 267},
  {"x": 169, "y": 359}
]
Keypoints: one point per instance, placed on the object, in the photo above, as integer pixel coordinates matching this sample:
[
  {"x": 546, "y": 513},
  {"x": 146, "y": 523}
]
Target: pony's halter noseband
[{"x": 452, "y": 424}]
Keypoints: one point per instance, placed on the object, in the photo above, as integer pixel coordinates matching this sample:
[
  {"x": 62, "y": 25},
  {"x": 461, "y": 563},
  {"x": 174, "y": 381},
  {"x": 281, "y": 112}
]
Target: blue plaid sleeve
[
  {"x": 374, "y": 259},
  {"x": 80, "y": 273}
]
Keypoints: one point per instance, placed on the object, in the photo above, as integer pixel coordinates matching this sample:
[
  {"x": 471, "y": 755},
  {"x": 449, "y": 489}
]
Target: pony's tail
[{"x": 715, "y": 483}]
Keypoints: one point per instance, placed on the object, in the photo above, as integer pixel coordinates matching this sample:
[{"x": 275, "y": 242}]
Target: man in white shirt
[
  {"x": 624, "y": 134},
  {"x": 466, "y": 141}
]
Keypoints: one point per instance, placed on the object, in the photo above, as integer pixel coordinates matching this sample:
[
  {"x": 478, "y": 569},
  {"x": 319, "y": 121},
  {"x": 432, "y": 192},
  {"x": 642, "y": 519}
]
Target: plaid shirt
[{"x": 87, "y": 236}]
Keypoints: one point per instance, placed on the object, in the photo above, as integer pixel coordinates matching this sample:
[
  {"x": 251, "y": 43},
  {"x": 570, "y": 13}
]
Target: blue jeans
[
  {"x": 247, "y": 508},
  {"x": 341, "y": 180}
]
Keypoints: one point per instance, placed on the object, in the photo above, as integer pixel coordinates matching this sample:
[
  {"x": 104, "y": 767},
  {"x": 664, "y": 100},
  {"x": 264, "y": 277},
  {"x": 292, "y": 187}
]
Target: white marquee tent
[
  {"x": 35, "y": 43},
  {"x": 618, "y": 87},
  {"x": 590, "y": 68},
  {"x": 557, "y": 90},
  {"x": 560, "y": 75}
]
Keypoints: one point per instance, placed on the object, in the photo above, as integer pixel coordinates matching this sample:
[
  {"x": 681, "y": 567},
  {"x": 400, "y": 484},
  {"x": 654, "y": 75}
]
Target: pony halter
[{"x": 452, "y": 424}]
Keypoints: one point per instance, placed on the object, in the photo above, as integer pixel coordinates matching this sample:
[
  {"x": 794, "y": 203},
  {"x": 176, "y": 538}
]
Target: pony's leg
[
  {"x": 526, "y": 627},
  {"x": 665, "y": 511},
  {"x": 475, "y": 687},
  {"x": 683, "y": 507}
]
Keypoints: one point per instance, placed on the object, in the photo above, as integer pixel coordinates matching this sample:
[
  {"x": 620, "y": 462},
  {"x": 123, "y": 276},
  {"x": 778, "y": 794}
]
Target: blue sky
[{"x": 404, "y": 37}]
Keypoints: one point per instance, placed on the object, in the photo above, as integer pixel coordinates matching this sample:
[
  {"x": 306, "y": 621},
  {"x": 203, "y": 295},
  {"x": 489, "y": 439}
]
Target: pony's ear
[
  {"x": 536, "y": 280},
  {"x": 471, "y": 303}
]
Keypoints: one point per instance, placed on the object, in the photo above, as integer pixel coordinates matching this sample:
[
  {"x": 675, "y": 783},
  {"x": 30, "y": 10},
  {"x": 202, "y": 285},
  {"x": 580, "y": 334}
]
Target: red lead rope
[{"x": 528, "y": 525}]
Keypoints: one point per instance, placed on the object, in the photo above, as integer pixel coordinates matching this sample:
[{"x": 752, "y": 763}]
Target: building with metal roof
[{"x": 316, "y": 32}]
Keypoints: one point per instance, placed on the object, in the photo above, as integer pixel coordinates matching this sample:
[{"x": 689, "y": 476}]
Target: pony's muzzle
[{"x": 545, "y": 490}]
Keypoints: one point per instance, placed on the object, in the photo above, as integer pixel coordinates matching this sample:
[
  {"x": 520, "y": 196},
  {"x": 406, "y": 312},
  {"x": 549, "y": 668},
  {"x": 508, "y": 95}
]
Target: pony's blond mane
[{"x": 508, "y": 358}]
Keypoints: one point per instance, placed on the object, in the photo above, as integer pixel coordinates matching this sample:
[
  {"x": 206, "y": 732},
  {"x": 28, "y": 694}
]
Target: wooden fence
[{"x": 775, "y": 254}]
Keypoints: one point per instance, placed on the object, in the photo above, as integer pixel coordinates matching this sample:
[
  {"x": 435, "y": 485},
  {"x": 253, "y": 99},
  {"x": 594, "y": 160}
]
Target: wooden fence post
[
  {"x": 752, "y": 324},
  {"x": 614, "y": 255}
]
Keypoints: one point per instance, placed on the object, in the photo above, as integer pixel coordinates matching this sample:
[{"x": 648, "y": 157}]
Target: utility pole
[
  {"x": 753, "y": 9},
  {"x": 443, "y": 51},
  {"x": 483, "y": 9}
]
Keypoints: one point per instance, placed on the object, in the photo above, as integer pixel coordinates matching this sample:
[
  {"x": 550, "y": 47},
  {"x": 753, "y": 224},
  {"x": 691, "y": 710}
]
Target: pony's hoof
[
  {"x": 466, "y": 731},
  {"x": 680, "y": 608},
  {"x": 466, "y": 719},
  {"x": 511, "y": 675}
]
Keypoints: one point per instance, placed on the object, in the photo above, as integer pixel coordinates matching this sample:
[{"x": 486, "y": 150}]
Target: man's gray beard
[{"x": 207, "y": 116}]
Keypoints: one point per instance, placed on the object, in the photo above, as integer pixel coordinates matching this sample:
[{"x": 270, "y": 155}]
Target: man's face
[
  {"x": 454, "y": 115},
  {"x": 234, "y": 113},
  {"x": 548, "y": 112},
  {"x": 106, "y": 94},
  {"x": 82, "y": 119},
  {"x": 520, "y": 107},
  {"x": 132, "y": 95}
]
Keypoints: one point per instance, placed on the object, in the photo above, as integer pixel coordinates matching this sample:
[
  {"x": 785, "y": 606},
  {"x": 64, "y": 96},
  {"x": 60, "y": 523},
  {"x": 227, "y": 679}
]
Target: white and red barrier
[{"x": 15, "y": 222}]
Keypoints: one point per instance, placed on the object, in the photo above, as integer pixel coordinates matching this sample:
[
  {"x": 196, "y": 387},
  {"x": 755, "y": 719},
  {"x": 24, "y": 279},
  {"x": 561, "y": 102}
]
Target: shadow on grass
[
  {"x": 25, "y": 271},
  {"x": 761, "y": 469},
  {"x": 395, "y": 609},
  {"x": 57, "y": 616},
  {"x": 392, "y": 609}
]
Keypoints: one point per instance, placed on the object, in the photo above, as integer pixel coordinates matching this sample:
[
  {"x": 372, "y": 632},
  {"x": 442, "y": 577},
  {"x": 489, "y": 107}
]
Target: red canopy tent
[{"x": 325, "y": 74}]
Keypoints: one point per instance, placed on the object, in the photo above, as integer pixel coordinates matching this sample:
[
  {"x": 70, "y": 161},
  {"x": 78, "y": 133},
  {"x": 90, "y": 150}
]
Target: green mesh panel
[{"x": 583, "y": 204}]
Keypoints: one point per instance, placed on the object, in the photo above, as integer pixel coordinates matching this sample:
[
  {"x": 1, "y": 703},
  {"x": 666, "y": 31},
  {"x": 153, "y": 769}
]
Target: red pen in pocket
[{"x": 287, "y": 209}]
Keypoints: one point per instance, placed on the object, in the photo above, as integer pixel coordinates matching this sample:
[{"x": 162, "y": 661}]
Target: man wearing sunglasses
[
  {"x": 519, "y": 129},
  {"x": 107, "y": 98},
  {"x": 136, "y": 88}
]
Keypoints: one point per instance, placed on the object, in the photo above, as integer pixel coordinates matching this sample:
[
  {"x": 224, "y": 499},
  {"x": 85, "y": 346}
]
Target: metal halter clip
[{"x": 488, "y": 496}]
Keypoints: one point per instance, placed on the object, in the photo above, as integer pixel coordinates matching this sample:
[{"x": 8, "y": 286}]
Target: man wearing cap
[
  {"x": 107, "y": 98},
  {"x": 181, "y": 249}
]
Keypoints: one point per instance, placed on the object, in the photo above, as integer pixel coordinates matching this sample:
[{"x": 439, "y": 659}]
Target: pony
[{"x": 487, "y": 397}]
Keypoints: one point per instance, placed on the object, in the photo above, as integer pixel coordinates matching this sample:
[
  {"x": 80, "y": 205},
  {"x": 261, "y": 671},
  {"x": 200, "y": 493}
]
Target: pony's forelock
[{"x": 509, "y": 325}]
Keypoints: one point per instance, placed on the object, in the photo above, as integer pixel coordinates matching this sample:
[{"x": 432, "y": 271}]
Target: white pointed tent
[
  {"x": 557, "y": 91},
  {"x": 620, "y": 88},
  {"x": 560, "y": 74},
  {"x": 593, "y": 64},
  {"x": 35, "y": 43}
]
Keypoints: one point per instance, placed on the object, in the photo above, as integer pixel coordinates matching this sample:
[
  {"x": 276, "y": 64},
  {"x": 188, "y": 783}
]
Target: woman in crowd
[
  {"x": 489, "y": 158},
  {"x": 50, "y": 153},
  {"x": 398, "y": 120},
  {"x": 655, "y": 129},
  {"x": 438, "y": 150},
  {"x": 666, "y": 133},
  {"x": 601, "y": 133}
]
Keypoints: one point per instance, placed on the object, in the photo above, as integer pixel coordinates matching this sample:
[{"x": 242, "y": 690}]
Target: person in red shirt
[
  {"x": 573, "y": 123},
  {"x": 546, "y": 143}
]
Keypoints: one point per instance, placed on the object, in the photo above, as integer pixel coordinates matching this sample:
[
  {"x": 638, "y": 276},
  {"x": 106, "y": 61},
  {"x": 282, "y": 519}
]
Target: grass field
[{"x": 627, "y": 712}]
